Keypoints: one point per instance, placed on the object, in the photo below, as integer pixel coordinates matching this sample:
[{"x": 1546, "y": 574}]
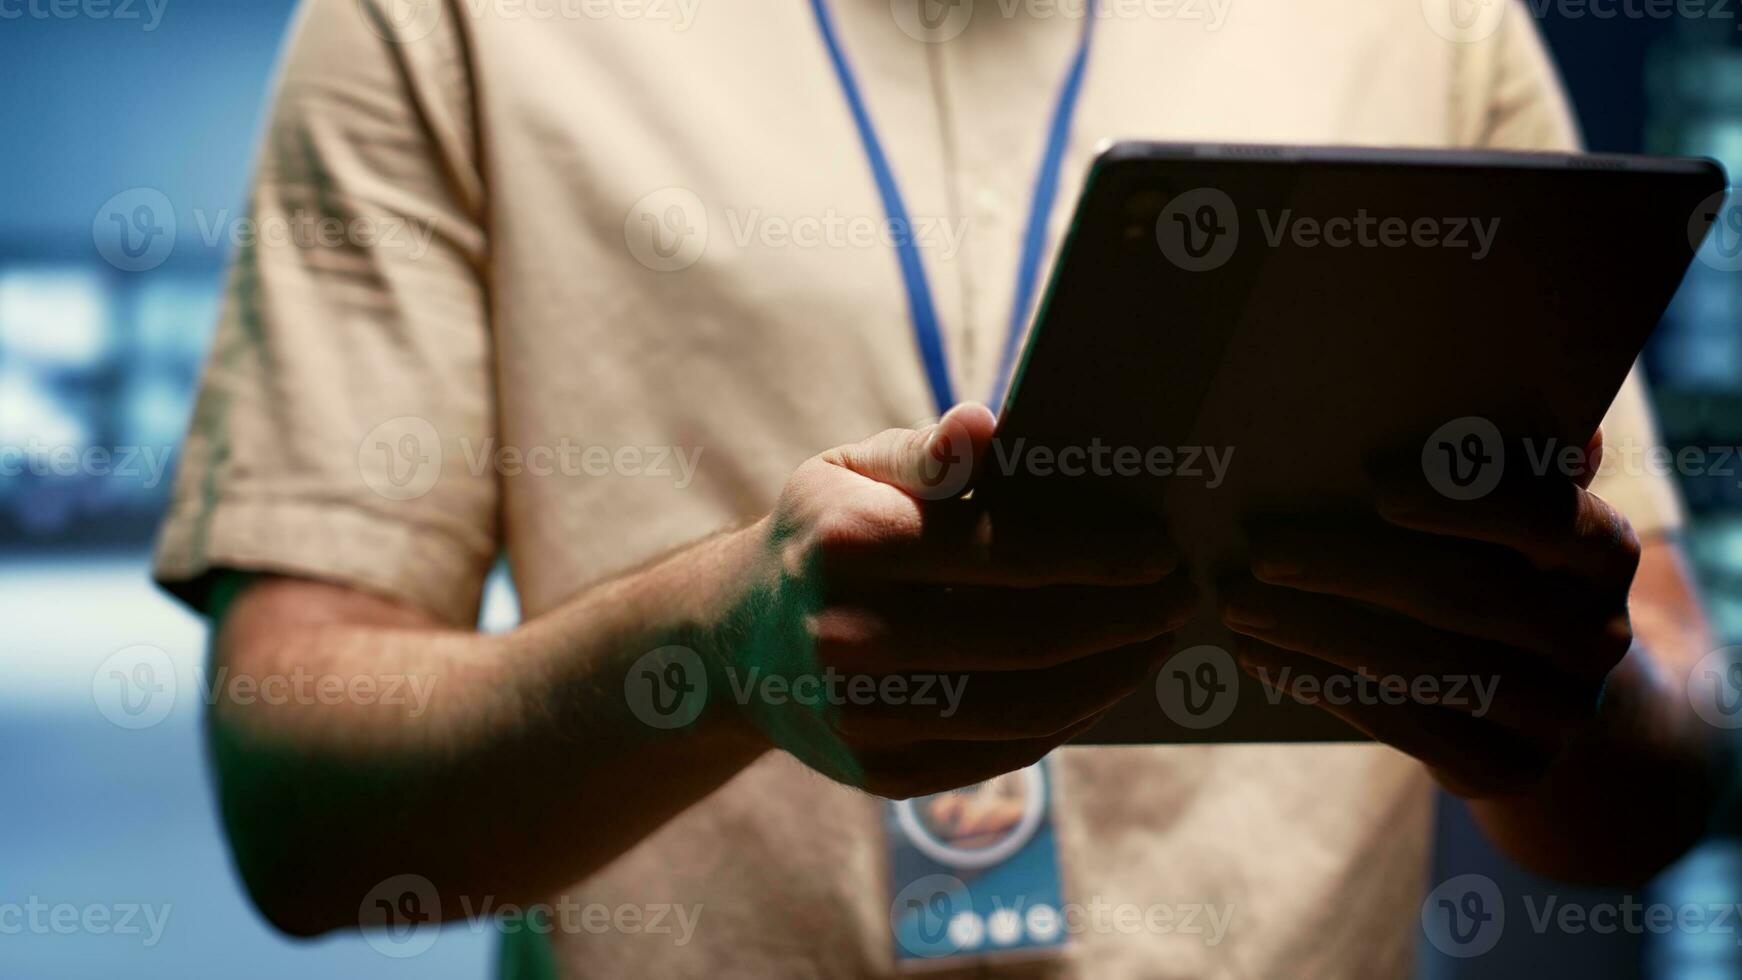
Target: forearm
[
  {"x": 519, "y": 768},
  {"x": 1637, "y": 789},
  {"x": 1626, "y": 799}
]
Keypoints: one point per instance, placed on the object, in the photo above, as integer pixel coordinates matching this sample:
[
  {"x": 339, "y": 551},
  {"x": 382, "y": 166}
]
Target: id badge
[{"x": 974, "y": 872}]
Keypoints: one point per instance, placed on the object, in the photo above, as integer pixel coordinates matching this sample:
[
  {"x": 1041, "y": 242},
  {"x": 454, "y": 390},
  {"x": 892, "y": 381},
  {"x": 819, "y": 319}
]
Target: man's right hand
[
  {"x": 941, "y": 641},
  {"x": 872, "y": 566}
]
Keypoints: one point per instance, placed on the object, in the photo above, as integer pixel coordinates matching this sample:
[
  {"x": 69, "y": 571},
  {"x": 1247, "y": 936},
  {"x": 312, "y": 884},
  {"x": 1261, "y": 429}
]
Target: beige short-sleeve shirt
[{"x": 622, "y": 275}]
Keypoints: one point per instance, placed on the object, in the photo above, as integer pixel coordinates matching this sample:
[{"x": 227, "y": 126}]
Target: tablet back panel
[{"x": 1291, "y": 345}]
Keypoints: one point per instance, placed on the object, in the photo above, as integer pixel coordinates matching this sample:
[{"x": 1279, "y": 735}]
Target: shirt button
[{"x": 989, "y": 201}]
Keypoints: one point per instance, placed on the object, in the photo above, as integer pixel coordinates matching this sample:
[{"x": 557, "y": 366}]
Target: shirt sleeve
[
  {"x": 1508, "y": 96},
  {"x": 352, "y": 367}
]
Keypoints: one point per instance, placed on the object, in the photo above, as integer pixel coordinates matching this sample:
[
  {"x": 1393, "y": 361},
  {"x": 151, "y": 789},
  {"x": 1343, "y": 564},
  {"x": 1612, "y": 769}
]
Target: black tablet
[{"x": 1232, "y": 331}]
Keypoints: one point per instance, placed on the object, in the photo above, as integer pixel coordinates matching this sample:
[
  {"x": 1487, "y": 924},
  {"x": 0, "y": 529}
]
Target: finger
[
  {"x": 933, "y": 462},
  {"x": 908, "y": 629},
  {"x": 925, "y": 768},
  {"x": 965, "y": 543},
  {"x": 1550, "y": 520},
  {"x": 1399, "y": 661},
  {"x": 1463, "y": 587},
  {"x": 1006, "y": 706},
  {"x": 1471, "y": 757}
]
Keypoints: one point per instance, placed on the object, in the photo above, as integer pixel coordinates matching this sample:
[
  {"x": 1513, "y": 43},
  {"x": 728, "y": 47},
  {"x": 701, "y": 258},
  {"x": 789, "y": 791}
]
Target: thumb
[{"x": 933, "y": 462}]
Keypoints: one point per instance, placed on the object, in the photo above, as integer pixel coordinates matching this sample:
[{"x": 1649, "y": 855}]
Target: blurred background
[{"x": 115, "y": 123}]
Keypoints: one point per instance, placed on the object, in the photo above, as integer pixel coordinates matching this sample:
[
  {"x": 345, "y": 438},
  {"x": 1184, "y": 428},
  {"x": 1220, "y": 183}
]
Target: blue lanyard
[{"x": 919, "y": 298}]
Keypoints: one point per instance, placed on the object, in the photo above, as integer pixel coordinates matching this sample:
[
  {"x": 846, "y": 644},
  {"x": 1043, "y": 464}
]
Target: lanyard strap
[{"x": 920, "y": 308}]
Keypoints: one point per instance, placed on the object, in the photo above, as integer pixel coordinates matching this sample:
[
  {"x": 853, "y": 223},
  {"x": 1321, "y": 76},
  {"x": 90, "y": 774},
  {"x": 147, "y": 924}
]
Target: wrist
[{"x": 731, "y": 624}]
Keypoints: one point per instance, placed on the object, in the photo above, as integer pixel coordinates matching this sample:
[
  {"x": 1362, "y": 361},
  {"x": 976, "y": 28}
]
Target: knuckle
[
  {"x": 837, "y": 532},
  {"x": 1628, "y": 543},
  {"x": 837, "y": 537},
  {"x": 841, "y": 636}
]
